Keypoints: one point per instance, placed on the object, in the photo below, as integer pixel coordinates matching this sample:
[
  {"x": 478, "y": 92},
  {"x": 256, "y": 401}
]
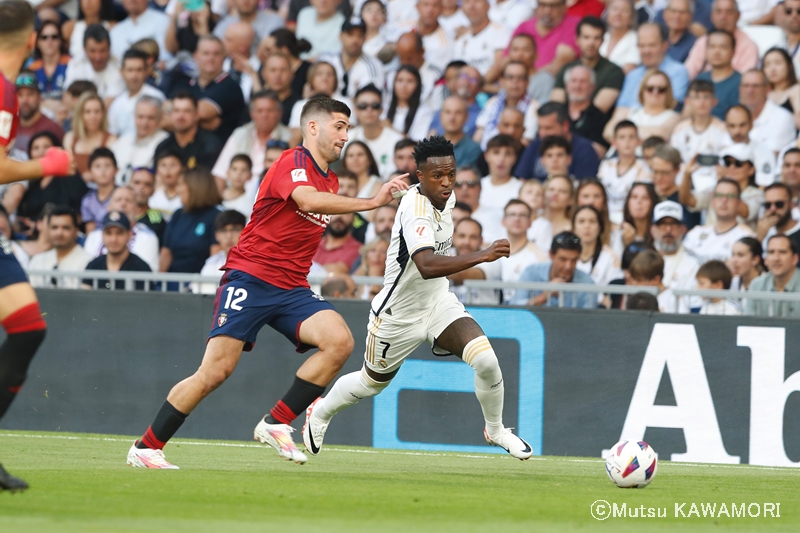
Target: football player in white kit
[{"x": 416, "y": 305}]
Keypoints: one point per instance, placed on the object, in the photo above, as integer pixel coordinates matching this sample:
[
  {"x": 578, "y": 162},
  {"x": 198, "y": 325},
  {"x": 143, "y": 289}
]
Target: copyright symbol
[{"x": 600, "y": 509}]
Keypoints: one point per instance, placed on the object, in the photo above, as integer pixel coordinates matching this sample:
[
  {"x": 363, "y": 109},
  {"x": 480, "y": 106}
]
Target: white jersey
[
  {"x": 418, "y": 226},
  {"x": 722, "y": 307},
  {"x": 479, "y": 50},
  {"x": 541, "y": 233},
  {"x": 705, "y": 244},
  {"x": 690, "y": 142},
  {"x": 364, "y": 71},
  {"x": 493, "y": 201},
  {"x": 618, "y": 187},
  {"x": 510, "y": 268}
]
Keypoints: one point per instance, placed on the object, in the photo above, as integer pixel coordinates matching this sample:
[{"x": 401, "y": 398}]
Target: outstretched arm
[
  {"x": 56, "y": 162},
  {"x": 311, "y": 200},
  {"x": 431, "y": 265}
]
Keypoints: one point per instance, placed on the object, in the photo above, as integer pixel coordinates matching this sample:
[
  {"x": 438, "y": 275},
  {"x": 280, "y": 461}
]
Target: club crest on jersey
[
  {"x": 299, "y": 174},
  {"x": 223, "y": 317}
]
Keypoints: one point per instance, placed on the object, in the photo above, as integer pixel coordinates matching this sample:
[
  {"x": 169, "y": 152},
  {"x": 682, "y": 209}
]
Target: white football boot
[
  {"x": 313, "y": 430},
  {"x": 514, "y": 445},
  {"x": 279, "y": 436},
  {"x": 148, "y": 458}
]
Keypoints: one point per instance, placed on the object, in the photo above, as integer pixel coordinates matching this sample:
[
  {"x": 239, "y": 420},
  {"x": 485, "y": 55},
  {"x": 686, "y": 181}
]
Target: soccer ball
[{"x": 631, "y": 464}]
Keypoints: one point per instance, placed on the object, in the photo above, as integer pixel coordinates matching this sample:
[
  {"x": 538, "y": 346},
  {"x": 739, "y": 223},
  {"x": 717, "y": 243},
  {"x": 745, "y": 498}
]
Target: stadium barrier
[{"x": 697, "y": 388}]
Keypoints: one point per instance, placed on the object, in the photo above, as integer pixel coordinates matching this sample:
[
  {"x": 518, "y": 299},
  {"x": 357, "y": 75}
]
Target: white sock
[
  {"x": 488, "y": 382},
  {"x": 348, "y": 390}
]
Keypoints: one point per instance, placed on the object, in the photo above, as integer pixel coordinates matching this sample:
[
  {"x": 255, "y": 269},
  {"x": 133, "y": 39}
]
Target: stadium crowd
[{"x": 650, "y": 143}]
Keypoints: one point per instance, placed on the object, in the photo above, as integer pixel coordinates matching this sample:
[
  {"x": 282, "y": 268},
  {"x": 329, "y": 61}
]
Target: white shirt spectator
[
  {"x": 753, "y": 10},
  {"x": 431, "y": 95},
  {"x": 752, "y": 196},
  {"x": 244, "y": 140},
  {"x": 152, "y": 24},
  {"x": 323, "y": 36},
  {"x": 75, "y": 261},
  {"x": 604, "y": 270},
  {"x": 618, "y": 187},
  {"x": 774, "y": 127},
  {"x": 132, "y": 153},
  {"x": 242, "y": 204},
  {"x": 438, "y": 48},
  {"x": 420, "y": 126},
  {"x": 455, "y": 21},
  {"x": 772, "y": 231},
  {"x": 364, "y": 71},
  {"x": 211, "y": 269},
  {"x": 493, "y": 201},
  {"x": 479, "y": 50},
  {"x": 723, "y": 307},
  {"x": 510, "y": 13},
  {"x": 76, "y": 50},
  {"x": 382, "y": 147},
  {"x": 489, "y": 117},
  {"x": 109, "y": 81},
  {"x": 510, "y": 268},
  {"x": 143, "y": 243},
  {"x": 680, "y": 270},
  {"x": 164, "y": 204},
  {"x": 667, "y": 303},
  {"x": 705, "y": 244},
  {"x": 121, "y": 112},
  {"x": 689, "y": 142},
  {"x": 625, "y": 51},
  {"x": 541, "y": 233}
]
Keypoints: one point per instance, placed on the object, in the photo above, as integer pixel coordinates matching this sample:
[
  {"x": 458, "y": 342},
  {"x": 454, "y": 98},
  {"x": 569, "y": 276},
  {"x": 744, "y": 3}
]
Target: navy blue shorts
[
  {"x": 244, "y": 304},
  {"x": 10, "y": 270}
]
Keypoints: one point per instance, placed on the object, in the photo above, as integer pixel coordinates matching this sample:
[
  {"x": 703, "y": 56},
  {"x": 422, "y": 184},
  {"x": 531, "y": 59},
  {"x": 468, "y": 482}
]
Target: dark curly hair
[{"x": 433, "y": 146}]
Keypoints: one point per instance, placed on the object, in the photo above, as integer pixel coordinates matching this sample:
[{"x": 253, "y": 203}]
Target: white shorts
[{"x": 390, "y": 342}]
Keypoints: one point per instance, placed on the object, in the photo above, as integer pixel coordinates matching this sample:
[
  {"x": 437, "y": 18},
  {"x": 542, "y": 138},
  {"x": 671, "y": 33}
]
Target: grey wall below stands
[{"x": 716, "y": 389}]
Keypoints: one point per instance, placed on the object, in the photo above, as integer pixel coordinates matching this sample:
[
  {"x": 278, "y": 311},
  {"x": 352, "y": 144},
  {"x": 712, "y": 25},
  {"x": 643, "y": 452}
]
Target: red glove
[{"x": 55, "y": 162}]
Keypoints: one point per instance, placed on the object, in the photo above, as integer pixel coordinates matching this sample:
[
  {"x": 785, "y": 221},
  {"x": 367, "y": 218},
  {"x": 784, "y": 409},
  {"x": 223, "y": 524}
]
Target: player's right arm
[
  {"x": 431, "y": 265},
  {"x": 56, "y": 162},
  {"x": 310, "y": 200}
]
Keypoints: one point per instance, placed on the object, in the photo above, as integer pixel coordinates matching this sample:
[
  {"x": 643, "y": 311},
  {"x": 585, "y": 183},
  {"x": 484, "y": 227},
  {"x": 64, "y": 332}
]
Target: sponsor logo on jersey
[
  {"x": 299, "y": 174},
  {"x": 421, "y": 231},
  {"x": 319, "y": 220},
  {"x": 443, "y": 248}
]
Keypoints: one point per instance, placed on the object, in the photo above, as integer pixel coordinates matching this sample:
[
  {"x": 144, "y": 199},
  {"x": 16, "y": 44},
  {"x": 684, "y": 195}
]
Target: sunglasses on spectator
[
  {"x": 470, "y": 183},
  {"x": 26, "y": 80},
  {"x": 658, "y": 89},
  {"x": 731, "y": 162},
  {"x": 726, "y": 196},
  {"x": 274, "y": 143},
  {"x": 50, "y": 37},
  {"x": 375, "y": 106},
  {"x": 778, "y": 205}
]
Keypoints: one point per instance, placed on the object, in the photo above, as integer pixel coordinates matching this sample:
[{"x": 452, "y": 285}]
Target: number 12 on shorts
[{"x": 235, "y": 297}]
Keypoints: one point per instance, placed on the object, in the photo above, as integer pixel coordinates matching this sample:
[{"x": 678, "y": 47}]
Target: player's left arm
[
  {"x": 310, "y": 200},
  {"x": 432, "y": 266}
]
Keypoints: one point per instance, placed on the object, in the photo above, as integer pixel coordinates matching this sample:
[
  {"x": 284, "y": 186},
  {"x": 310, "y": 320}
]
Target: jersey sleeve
[
  {"x": 292, "y": 172},
  {"x": 9, "y": 119},
  {"x": 417, "y": 225}
]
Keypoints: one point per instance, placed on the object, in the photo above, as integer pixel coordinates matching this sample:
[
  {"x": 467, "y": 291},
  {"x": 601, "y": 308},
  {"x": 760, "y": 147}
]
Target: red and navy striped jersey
[
  {"x": 279, "y": 242},
  {"x": 9, "y": 114}
]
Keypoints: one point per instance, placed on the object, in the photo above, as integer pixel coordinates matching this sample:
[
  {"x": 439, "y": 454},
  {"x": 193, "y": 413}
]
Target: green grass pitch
[{"x": 80, "y": 483}]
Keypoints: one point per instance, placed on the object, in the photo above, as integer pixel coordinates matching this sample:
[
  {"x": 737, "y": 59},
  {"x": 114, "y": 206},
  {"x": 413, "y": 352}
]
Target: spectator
[
  {"x": 286, "y": 42},
  {"x": 714, "y": 275},
  {"x": 49, "y": 65},
  {"x": 556, "y": 156},
  {"x": 773, "y": 126},
  {"x": 668, "y": 232},
  {"x": 348, "y": 186},
  {"x": 481, "y": 46},
  {"x": 31, "y": 118},
  {"x": 437, "y": 41},
  {"x": 467, "y": 189},
  {"x": 678, "y": 18},
  {"x": 637, "y": 218},
  {"x": 167, "y": 198},
  {"x": 783, "y": 87},
  {"x": 252, "y": 138},
  {"x": 194, "y": 146},
  {"x": 656, "y": 115},
  {"x": 642, "y": 301},
  {"x": 719, "y": 55},
  {"x": 406, "y": 112},
  {"x": 559, "y": 197},
  {"x": 453, "y": 119},
  {"x": 188, "y": 240},
  {"x": 339, "y": 286},
  {"x": 747, "y": 263},
  {"x": 620, "y": 173},
  {"x": 277, "y": 74},
  {"x": 382, "y": 222},
  {"x": 186, "y": 27},
  {"x": 452, "y": 17},
  {"x": 522, "y": 48},
  {"x": 143, "y": 184},
  {"x": 467, "y": 239},
  {"x": 461, "y": 211},
  {"x": 116, "y": 236},
  {"x": 136, "y": 150},
  {"x": 89, "y": 12},
  {"x": 102, "y": 169},
  {"x": 371, "y": 130},
  {"x": 516, "y": 220},
  {"x": 790, "y": 171},
  {"x": 553, "y": 119},
  {"x": 665, "y": 165},
  {"x": 66, "y": 112},
  {"x": 565, "y": 251},
  {"x": 789, "y": 22},
  {"x": 510, "y": 13},
  {"x": 724, "y": 16},
  {"x": 235, "y": 196},
  {"x": 58, "y": 190},
  {"x": 96, "y": 65},
  {"x": 228, "y": 228},
  {"x": 143, "y": 22},
  {"x": 649, "y": 147},
  {"x": 273, "y": 152},
  {"x": 38, "y": 240},
  {"x": 554, "y": 33},
  {"x": 596, "y": 259},
  {"x": 468, "y": 84},
  {"x": 739, "y": 124},
  {"x": 403, "y": 157},
  {"x": 591, "y": 192},
  {"x": 65, "y": 255},
  {"x": 319, "y": 24},
  {"x": 585, "y": 119},
  {"x": 354, "y": 69},
  {"x": 338, "y": 249},
  {"x": 782, "y": 277},
  {"x": 777, "y": 215},
  {"x": 378, "y": 42},
  {"x": 499, "y": 187},
  {"x": 321, "y": 80},
  {"x": 513, "y": 94},
  {"x": 121, "y": 112},
  {"x": 359, "y": 160},
  {"x": 241, "y": 63},
  {"x": 89, "y": 132},
  {"x": 263, "y": 21},
  {"x": 373, "y": 264},
  {"x": 411, "y": 51},
  {"x": 619, "y": 44},
  {"x": 647, "y": 270},
  {"x": 716, "y": 241},
  {"x": 652, "y": 43},
  {"x": 608, "y": 76},
  {"x": 155, "y": 75}
]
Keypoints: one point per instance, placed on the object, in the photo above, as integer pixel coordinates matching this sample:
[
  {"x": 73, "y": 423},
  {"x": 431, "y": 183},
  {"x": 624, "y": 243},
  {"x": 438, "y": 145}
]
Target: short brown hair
[
  {"x": 203, "y": 191},
  {"x": 715, "y": 271},
  {"x": 646, "y": 266},
  {"x": 16, "y": 23}
]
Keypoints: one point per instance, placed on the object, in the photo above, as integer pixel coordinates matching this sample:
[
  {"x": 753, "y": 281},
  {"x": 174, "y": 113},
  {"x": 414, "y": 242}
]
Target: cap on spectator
[
  {"x": 118, "y": 219},
  {"x": 27, "y": 80},
  {"x": 356, "y": 24},
  {"x": 738, "y": 151},
  {"x": 667, "y": 209}
]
